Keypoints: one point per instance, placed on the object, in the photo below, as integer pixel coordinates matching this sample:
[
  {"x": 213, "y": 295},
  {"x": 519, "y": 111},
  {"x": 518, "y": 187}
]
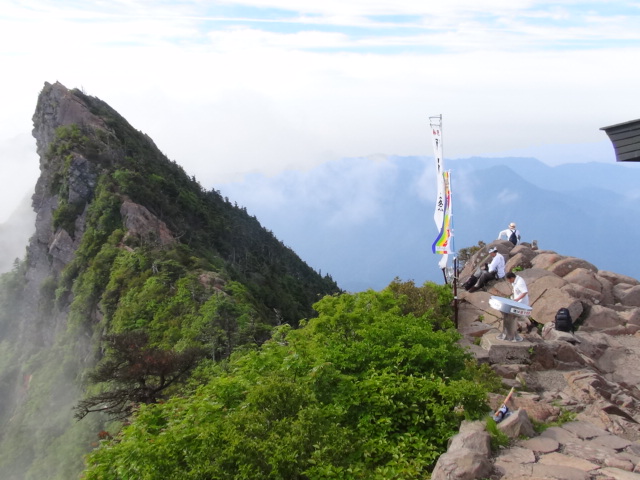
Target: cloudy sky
[{"x": 232, "y": 87}]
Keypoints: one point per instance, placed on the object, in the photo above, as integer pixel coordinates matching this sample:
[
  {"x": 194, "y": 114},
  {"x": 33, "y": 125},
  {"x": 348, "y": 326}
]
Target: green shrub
[
  {"x": 365, "y": 390},
  {"x": 498, "y": 437}
]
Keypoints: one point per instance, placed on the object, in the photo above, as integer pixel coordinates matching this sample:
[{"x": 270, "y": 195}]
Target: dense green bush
[{"x": 366, "y": 390}]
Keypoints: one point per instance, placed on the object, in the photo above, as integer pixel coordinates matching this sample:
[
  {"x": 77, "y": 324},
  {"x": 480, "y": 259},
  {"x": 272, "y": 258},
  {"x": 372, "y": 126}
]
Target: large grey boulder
[
  {"x": 545, "y": 259},
  {"x": 553, "y": 299},
  {"x": 599, "y": 318},
  {"x": 569, "y": 264},
  {"x": 627, "y": 294},
  {"x": 517, "y": 425},
  {"x": 468, "y": 455},
  {"x": 616, "y": 278},
  {"x": 520, "y": 257}
]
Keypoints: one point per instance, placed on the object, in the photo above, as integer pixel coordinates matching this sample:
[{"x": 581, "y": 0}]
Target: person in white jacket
[
  {"x": 519, "y": 287},
  {"x": 512, "y": 234},
  {"x": 494, "y": 271}
]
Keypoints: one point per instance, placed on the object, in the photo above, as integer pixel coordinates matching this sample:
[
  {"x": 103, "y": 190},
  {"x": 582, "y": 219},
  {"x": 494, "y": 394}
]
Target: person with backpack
[{"x": 512, "y": 234}]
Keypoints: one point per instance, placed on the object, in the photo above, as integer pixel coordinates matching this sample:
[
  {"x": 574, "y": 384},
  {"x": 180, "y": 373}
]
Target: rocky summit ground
[{"x": 585, "y": 382}]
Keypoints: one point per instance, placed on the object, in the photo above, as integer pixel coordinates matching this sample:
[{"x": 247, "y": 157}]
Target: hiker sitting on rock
[
  {"x": 494, "y": 271},
  {"x": 512, "y": 234}
]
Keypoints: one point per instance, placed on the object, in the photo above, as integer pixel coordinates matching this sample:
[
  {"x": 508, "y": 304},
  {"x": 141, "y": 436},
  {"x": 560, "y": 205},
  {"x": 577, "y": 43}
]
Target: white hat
[
  {"x": 512, "y": 225},
  {"x": 493, "y": 250}
]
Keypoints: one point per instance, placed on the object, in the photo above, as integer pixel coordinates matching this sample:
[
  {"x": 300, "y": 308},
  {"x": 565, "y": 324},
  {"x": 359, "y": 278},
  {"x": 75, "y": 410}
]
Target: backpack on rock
[{"x": 563, "y": 320}]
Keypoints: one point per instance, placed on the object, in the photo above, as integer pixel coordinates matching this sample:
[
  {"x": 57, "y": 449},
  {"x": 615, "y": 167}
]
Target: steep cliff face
[
  {"x": 124, "y": 240},
  {"x": 52, "y": 248},
  {"x": 36, "y": 395}
]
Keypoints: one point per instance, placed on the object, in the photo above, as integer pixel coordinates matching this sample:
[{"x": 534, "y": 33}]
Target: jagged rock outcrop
[
  {"x": 143, "y": 225},
  {"x": 590, "y": 373}
]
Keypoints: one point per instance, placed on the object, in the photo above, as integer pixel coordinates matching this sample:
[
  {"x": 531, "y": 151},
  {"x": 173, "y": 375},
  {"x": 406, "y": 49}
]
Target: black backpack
[
  {"x": 513, "y": 238},
  {"x": 563, "y": 320}
]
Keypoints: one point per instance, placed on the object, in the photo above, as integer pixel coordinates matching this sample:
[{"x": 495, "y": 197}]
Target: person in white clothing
[
  {"x": 519, "y": 287},
  {"x": 512, "y": 234},
  {"x": 494, "y": 271}
]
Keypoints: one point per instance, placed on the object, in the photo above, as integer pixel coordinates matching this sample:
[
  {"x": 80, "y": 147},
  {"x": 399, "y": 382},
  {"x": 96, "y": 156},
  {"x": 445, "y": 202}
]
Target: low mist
[{"x": 15, "y": 233}]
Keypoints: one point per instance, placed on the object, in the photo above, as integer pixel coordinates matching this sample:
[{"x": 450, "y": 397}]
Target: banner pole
[{"x": 455, "y": 291}]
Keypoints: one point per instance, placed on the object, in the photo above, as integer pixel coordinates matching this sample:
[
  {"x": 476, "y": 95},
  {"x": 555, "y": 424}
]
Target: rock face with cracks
[{"x": 588, "y": 376}]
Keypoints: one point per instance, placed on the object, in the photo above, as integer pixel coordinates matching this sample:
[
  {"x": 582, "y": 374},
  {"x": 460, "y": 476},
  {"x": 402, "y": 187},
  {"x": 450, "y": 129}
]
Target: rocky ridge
[
  {"x": 105, "y": 189},
  {"x": 589, "y": 375}
]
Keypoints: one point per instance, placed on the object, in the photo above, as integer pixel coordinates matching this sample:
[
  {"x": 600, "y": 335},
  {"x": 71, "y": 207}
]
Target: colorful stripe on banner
[{"x": 442, "y": 243}]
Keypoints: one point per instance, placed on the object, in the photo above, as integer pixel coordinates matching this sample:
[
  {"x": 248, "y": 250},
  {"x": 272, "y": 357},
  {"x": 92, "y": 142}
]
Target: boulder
[
  {"x": 630, "y": 316},
  {"x": 606, "y": 289},
  {"x": 541, "y": 444},
  {"x": 475, "y": 329},
  {"x": 505, "y": 352},
  {"x": 627, "y": 294},
  {"x": 468, "y": 455},
  {"x": 539, "y": 282},
  {"x": 585, "y": 278},
  {"x": 520, "y": 256},
  {"x": 586, "y": 295},
  {"x": 62, "y": 247},
  {"x": 618, "y": 474},
  {"x": 469, "y": 313},
  {"x": 545, "y": 260},
  {"x": 550, "y": 301},
  {"x": 144, "y": 225},
  {"x": 551, "y": 335},
  {"x": 558, "y": 459},
  {"x": 593, "y": 344},
  {"x": 543, "y": 355},
  {"x": 517, "y": 425},
  {"x": 616, "y": 278},
  {"x": 569, "y": 264},
  {"x": 476, "y": 308},
  {"x": 501, "y": 288},
  {"x": 567, "y": 357},
  {"x": 599, "y": 318},
  {"x": 508, "y": 370}
]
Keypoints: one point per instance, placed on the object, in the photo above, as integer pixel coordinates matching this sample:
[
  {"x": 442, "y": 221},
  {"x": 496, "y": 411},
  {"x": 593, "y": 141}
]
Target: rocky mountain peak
[
  {"x": 116, "y": 220},
  {"x": 75, "y": 145},
  {"x": 58, "y": 106}
]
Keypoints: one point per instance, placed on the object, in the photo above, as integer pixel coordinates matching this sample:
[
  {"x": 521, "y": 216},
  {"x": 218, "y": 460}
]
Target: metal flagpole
[
  {"x": 443, "y": 215},
  {"x": 455, "y": 255}
]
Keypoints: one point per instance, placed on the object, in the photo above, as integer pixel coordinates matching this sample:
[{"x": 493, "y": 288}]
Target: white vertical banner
[
  {"x": 436, "y": 136},
  {"x": 438, "y": 214}
]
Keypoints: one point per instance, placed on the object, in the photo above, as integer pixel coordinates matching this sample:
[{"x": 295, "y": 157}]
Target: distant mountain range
[{"x": 367, "y": 220}]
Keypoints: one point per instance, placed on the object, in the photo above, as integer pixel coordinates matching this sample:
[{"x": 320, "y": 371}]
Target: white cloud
[
  {"x": 506, "y": 196},
  {"x": 20, "y": 169},
  {"x": 229, "y": 88}
]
